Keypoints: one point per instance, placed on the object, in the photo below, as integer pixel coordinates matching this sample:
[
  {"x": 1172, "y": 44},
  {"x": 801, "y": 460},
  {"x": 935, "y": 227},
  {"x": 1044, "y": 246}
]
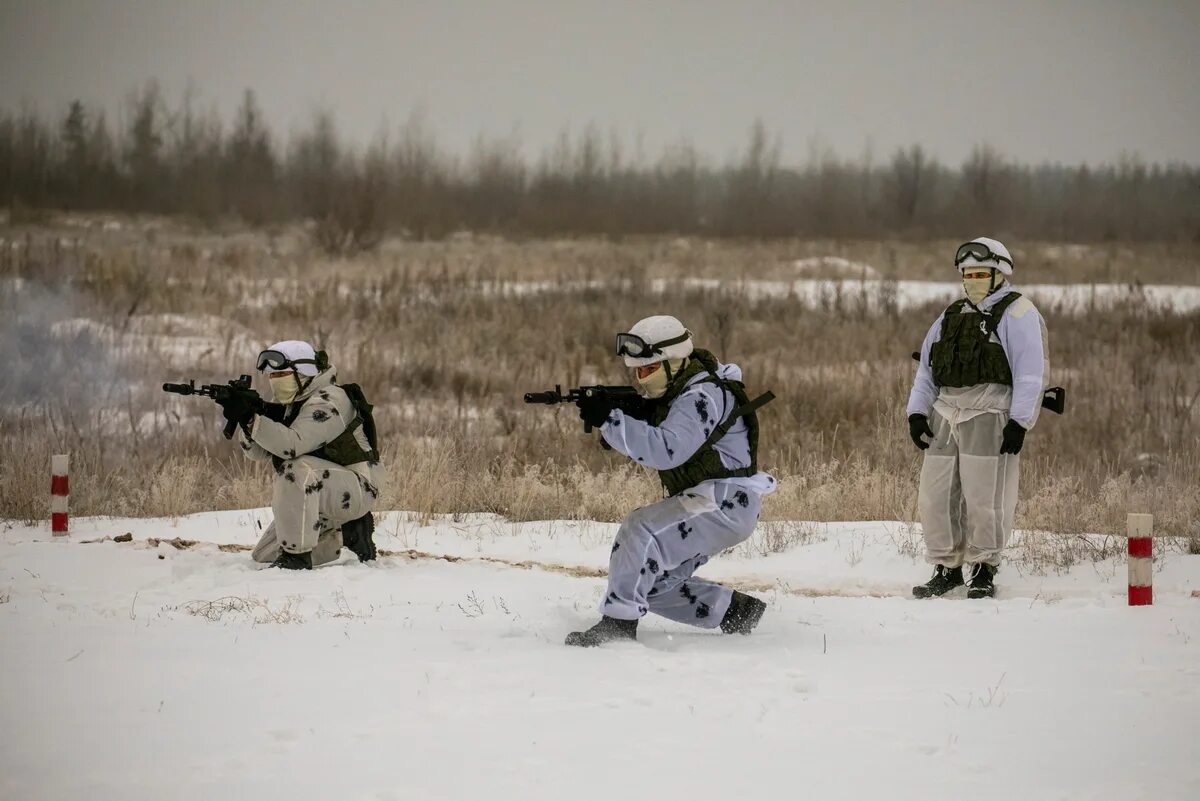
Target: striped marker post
[
  {"x": 58, "y": 494},
  {"x": 1141, "y": 560}
]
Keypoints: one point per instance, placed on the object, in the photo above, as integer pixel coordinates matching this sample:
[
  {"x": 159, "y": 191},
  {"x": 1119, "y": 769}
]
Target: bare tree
[
  {"x": 420, "y": 181},
  {"x": 182, "y": 160},
  {"x": 983, "y": 177},
  {"x": 907, "y": 183},
  {"x": 74, "y": 137},
  {"x": 144, "y": 140},
  {"x": 752, "y": 184},
  {"x": 314, "y": 163},
  {"x": 194, "y": 161},
  {"x": 495, "y": 184},
  {"x": 677, "y": 206},
  {"x": 250, "y": 166}
]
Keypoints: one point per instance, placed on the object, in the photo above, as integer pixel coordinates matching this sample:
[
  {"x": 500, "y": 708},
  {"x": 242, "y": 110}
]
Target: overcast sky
[{"x": 1067, "y": 80}]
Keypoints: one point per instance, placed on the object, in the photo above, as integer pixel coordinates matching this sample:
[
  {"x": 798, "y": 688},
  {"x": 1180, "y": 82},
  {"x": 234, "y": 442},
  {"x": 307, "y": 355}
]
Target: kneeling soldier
[
  {"x": 323, "y": 447},
  {"x": 701, "y": 433}
]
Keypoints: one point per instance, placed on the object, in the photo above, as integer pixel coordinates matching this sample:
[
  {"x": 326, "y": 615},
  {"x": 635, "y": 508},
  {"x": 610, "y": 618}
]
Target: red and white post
[
  {"x": 59, "y": 494},
  {"x": 1141, "y": 559}
]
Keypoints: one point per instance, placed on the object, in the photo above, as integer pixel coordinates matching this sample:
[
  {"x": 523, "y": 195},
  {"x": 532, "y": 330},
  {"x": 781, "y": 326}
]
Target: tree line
[{"x": 167, "y": 158}]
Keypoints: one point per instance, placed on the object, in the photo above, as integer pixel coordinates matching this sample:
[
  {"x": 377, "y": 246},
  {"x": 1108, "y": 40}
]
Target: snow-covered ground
[
  {"x": 835, "y": 266},
  {"x": 139, "y": 670}
]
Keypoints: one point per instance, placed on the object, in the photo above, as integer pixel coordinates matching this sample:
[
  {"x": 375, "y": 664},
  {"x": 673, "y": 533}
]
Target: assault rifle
[
  {"x": 218, "y": 392},
  {"x": 1054, "y": 399},
  {"x": 626, "y": 399}
]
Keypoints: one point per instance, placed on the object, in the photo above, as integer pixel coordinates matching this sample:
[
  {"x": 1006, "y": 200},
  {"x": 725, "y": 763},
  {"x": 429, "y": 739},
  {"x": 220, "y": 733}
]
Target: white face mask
[
  {"x": 655, "y": 385},
  {"x": 285, "y": 388},
  {"x": 977, "y": 289}
]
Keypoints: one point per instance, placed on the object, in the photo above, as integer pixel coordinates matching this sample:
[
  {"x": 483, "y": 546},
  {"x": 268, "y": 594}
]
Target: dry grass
[
  {"x": 776, "y": 536},
  {"x": 250, "y": 607},
  {"x": 446, "y": 347}
]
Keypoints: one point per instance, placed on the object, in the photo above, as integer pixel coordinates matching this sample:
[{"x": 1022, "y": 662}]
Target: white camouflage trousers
[
  {"x": 312, "y": 499},
  {"x": 968, "y": 492},
  {"x": 660, "y": 546}
]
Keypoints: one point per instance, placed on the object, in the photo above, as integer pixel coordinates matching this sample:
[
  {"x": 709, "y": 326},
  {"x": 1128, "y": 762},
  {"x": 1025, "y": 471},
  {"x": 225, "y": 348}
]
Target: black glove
[
  {"x": 1014, "y": 438},
  {"x": 272, "y": 411},
  {"x": 594, "y": 411},
  {"x": 240, "y": 407},
  {"x": 918, "y": 424},
  {"x": 638, "y": 408}
]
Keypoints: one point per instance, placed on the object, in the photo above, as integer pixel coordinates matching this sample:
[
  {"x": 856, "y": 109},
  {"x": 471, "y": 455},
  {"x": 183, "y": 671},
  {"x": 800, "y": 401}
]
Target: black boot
[
  {"x": 743, "y": 615},
  {"x": 944, "y": 579},
  {"x": 293, "y": 561},
  {"x": 356, "y": 535},
  {"x": 608, "y": 629},
  {"x": 981, "y": 585}
]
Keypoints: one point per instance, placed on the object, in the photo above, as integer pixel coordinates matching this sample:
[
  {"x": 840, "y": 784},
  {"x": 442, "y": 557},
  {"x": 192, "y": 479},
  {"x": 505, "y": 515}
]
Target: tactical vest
[
  {"x": 344, "y": 449},
  {"x": 705, "y": 464},
  {"x": 965, "y": 355}
]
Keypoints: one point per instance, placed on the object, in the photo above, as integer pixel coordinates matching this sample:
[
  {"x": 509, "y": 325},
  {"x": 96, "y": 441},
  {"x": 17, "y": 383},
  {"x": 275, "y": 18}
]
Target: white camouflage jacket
[
  {"x": 325, "y": 413},
  {"x": 692, "y": 416}
]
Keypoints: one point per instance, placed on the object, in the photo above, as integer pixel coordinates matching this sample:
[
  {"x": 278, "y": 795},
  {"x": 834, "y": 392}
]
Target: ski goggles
[
  {"x": 979, "y": 252},
  {"x": 635, "y": 347},
  {"x": 278, "y": 361}
]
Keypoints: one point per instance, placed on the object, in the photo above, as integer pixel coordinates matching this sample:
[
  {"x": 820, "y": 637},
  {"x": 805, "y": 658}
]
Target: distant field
[
  {"x": 447, "y": 336},
  {"x": 481, "y": 257}
]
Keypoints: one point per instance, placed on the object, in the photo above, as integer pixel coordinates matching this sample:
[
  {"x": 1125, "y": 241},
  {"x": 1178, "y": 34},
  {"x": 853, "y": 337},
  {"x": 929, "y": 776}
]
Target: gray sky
[{"x": 1065, "y": 80}]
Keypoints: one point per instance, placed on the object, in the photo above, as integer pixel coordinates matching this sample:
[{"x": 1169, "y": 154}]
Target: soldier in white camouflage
[
  {"x": 321, "y": 444},
  {"x": 984, "y": 366},
  {"x": 699, "y": 430}
]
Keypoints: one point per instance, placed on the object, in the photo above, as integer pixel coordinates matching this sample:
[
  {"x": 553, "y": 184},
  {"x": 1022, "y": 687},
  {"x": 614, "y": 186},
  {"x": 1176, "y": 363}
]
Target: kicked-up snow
[{"x": 143, "y": 670}]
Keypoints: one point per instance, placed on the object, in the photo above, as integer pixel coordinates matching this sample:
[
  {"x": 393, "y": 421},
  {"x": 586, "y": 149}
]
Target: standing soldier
[
  {"x": 983, "y": 370},
  {"x": 700, "y": 432},
  {"x": 322, "y": 445}
]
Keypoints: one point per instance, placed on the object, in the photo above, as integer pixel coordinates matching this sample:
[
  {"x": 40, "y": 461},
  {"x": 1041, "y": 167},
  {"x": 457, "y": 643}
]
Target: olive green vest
[
  {"x": 964, "y": 355},
  {"x": 705, "y": 464},
  {"x": 344, "y": 449}
]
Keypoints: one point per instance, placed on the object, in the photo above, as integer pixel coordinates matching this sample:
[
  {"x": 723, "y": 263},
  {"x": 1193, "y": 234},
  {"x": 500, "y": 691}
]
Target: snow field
[{"x": 137, "y": 671}]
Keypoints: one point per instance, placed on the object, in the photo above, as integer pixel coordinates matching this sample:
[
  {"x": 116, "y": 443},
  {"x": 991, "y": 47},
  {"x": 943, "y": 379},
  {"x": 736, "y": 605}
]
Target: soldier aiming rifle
[
  {"x": 320, "y": 438},
  {"x": 687, "y": 416}
]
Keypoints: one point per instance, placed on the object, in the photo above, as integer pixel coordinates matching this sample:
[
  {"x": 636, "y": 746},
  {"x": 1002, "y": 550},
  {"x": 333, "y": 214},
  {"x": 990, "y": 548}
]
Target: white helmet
[
  {"x": 654, "y": 339},
  {"x": 291, "y": 353},
  {"x": 983, "y": 251}
]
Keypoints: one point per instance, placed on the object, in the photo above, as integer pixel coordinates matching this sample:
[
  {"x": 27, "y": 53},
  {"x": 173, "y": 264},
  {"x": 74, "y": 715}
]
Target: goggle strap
[
  {"x": 666, "y": 343},
  {"x": 646, "y": 349}
]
